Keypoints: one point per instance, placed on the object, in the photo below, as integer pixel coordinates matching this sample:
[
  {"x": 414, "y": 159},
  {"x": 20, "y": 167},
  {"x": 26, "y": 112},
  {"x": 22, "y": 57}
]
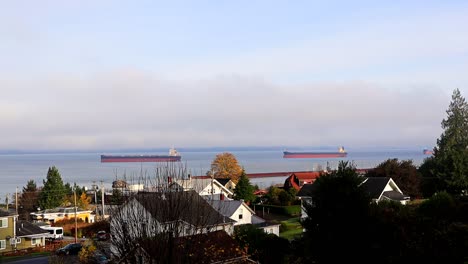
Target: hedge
[{"x": 292, "y": 210}]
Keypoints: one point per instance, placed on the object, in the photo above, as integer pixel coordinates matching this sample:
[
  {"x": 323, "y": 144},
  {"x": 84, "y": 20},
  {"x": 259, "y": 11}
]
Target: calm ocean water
[{"x": 84, "y": 168}]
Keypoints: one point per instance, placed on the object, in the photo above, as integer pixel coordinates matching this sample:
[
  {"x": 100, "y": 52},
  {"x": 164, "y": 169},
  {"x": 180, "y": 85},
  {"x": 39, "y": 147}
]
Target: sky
[{"x": 90, "y": 75}]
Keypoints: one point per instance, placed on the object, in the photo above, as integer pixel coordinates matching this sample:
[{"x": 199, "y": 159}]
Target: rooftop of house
[
  {"x": 24, "y": 228},
  {"x": 181, "y": 205},
  {"x": 228, "y": 207}
]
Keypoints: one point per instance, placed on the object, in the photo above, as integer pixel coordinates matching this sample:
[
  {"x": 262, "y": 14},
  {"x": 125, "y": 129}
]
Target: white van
[{"x": 54, "y": 232}]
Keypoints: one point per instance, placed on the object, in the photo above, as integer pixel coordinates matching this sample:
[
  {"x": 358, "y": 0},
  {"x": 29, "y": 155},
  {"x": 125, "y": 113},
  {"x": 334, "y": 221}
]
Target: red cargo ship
[
  {"x": 173, "y": 156},
  {"x": 428, "y": 152},
  {"x": 298, "y": 155}
]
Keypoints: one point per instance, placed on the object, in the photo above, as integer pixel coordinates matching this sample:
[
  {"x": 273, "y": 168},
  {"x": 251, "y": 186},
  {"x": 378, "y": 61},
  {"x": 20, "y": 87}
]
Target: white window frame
[
  {"x": 2, "y": 244},
  {"x": 4, "y": 222},
  {"x": 34, "y": 241}
]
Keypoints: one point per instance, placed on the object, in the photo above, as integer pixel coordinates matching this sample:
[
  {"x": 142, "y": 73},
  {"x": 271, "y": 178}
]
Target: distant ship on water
[
  {"x": 172, "y": 157},
  {"x": 427, "y": 151},
  {"x": 298, "y": 155}
]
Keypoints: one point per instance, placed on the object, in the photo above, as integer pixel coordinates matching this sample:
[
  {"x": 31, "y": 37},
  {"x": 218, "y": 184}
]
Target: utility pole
[
  {"x": 6, "y": 201},
  {"x": 16, "y": 199},
  {"x": 76, "y": 221},
  {"x": 102, "y": 198}
]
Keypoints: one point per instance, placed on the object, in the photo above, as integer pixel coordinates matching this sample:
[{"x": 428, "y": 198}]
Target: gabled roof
[
  {"x": 4, "y": 213},
  {"x": 24, "y": 229},
  {"x": 223, "y": 181},
  {"x": 306, "y": 190},
  {"x": 228, "y": 207},
  {"x": 199, "y": 185},
  {"x": 375, "y": 186},
  {"x": 307, "y": 176},
  {"x": 187, "y": 206}
]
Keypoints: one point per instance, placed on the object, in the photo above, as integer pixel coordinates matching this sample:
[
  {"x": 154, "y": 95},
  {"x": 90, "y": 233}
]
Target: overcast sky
[{"x": 149, "y": 74}]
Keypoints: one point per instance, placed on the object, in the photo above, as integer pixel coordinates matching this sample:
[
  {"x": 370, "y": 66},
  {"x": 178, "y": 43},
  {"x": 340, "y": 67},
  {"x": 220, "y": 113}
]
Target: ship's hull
[
  {"x": 313, "y": 155},
  {"x": 140, "y": 158},
  {"x": 428, "y": 152}
]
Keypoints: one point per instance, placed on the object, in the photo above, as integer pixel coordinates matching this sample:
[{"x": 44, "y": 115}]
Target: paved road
[{"x": 36, "y": 260}]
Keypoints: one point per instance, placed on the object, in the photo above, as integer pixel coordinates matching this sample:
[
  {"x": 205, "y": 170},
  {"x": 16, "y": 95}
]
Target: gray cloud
[{"x": 131, "y": 108}]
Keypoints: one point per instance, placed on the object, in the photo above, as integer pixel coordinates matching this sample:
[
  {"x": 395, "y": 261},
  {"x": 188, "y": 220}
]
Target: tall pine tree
[
  {"x": 451, "y": 152},
  {"x": 244, "y": 190},
  {"x": 53, "y": 192}
]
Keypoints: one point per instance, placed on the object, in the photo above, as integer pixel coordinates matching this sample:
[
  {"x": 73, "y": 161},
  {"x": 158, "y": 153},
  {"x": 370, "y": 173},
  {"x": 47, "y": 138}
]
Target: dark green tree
[
  {"x": 244, "y": 190},
  {"x": 53, "y": 193},
  {"x": 262, "y": 247},
  {"x": 28, "y": 201},
  {"x": 336, "y": 216},
  {"x": 404, "y": 173},
  {"x": 451, "y": 152}
]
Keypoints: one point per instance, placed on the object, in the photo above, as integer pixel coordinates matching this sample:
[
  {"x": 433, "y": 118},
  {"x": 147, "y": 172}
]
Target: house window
[
  {"x": 2, "y": 244},
  {"x": 240, "y": 216},
  {"x": 35, "y": 241},
  {"x": 3, "y": 222}
]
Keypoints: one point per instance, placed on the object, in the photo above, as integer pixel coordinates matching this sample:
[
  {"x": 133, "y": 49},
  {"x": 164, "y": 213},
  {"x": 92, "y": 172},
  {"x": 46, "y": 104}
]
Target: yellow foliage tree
[
  {"x": 225, "y": 165},
  {"x": 84, "y": 201}
]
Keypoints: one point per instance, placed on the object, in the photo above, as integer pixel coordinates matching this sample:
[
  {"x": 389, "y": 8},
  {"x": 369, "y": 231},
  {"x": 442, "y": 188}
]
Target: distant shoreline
[{"x": 205, "y": 149}]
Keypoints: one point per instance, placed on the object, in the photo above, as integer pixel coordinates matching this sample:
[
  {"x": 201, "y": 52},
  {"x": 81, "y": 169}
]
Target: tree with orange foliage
[
  {"x": 84, "y": 201},
  {"x": 225, "y": 165}
]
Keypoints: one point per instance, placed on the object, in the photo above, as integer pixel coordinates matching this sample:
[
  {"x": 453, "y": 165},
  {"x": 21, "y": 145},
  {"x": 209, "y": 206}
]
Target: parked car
[
  {"x": 70, "y": 249},
  {"x": 99, "y": 258},
  {"x": 102, "y": 235}
]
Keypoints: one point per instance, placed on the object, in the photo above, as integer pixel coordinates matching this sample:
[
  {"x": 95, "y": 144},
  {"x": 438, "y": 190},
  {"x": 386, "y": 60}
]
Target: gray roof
[
  {"x": 396, "y": 196},
  {"x": 181, "y": 205},
  {"x": 5, "y": 213},
  {"x": 24, "y": 228},
  {"x": 306, "y": 190},
  {"x": 374, "y": 186},
  {"x": 226, "y": 207}
]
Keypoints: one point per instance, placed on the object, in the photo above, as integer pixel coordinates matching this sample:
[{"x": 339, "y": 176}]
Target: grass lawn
[{"x": 291, "y": 228}]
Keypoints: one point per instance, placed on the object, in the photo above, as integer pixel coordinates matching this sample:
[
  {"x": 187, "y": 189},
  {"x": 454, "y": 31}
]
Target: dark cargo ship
[
  {"x": 304, "y": 155},
  {"x": 173, "y": 156}
]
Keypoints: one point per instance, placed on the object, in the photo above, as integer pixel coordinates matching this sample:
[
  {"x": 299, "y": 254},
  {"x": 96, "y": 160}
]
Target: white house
[
  {"x": 378, "y": 188},
  {"x": 180, "y": 213},
  {"x": 242, "y": 214},
  {"x": 209, "y": 189},
  {"x": 384, "y": 188}
]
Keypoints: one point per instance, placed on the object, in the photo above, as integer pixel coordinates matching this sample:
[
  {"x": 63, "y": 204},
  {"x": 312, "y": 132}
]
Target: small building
[
  {"x": 29, "y": 235},
  {"x": 62, "y": 213},
  {"x": 297, "y": 179},
  {"x": 241, "y": 213},
  {"x": 228, "y": 183},
  {"x": 209, "y": 189}
]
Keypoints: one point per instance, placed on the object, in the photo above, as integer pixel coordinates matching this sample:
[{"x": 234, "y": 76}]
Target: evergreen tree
[
  {"x": 451, "y": 152},
  {"x": 28, "y": 201},
  {"x": 244, "y": 190},
  {"x": 337, "y": 215},
  {"x": 53, "y": 193}
]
